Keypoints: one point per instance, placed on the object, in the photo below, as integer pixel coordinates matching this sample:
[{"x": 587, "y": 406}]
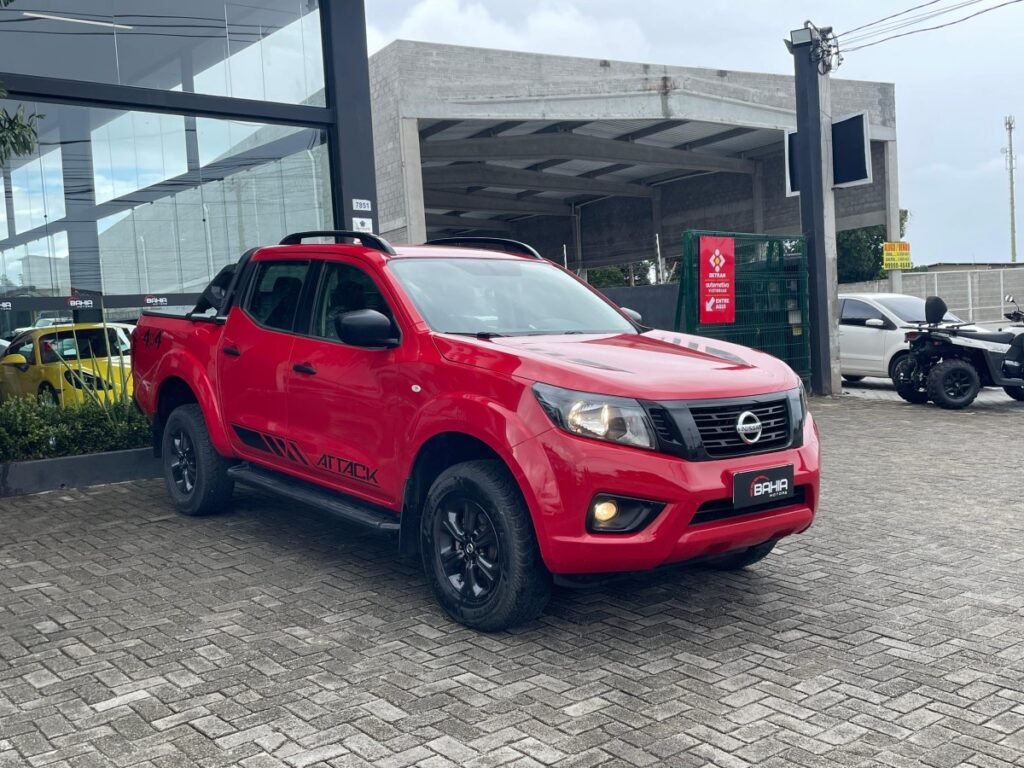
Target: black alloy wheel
[
  {"x": 953, "y": 384},
  {"x": 183, "y": 462},
  {"x": 956, "y": 384},
  {"x": 469, "y": 549}
]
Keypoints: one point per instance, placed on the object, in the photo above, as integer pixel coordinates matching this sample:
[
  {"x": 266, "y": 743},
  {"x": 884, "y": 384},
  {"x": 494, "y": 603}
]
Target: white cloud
[{"x": 555, "y": 28}]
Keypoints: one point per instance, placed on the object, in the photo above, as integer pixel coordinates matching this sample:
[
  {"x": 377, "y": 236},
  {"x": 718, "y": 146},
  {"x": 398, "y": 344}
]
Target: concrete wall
[{"x": 976, "y": 295}]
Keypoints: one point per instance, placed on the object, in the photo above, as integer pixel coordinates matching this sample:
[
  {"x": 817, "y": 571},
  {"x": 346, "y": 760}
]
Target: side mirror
[
  {"x": 1008, "y": 298},
  {"x": 365, "y": 328},
  {"x": 874, "y": 322},
  {"x": 632, "y": 314},
  {"x": 19, "y": 361}
]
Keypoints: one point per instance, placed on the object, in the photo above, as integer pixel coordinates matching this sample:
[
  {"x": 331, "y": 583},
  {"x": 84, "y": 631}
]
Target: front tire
[
  {"x": 1017, "y": 393},
  {"x": 48, "y": 395},
  {"x": 907, "y": 381},
  {"x": 479, "y": 549},
  {"x": 735, "y": 561},
  {"x": 953, "y": 384},
  {"x": 196, "y": 475}
]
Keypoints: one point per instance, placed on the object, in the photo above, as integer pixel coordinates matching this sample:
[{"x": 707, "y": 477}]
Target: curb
[{"x": 21, "y": 478}]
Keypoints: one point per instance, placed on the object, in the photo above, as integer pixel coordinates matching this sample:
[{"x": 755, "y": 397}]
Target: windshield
[
  {"x": 504, "y": 297},
  {"x": 910, "y": 309}
]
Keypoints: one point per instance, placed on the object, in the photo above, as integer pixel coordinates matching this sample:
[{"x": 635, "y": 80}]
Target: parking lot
[{"x": 892, "y": 633}]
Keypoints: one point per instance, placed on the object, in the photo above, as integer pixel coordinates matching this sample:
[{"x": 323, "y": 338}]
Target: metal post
[
  {"x": 1011, "y": 164},
  {"x": 817, "y": 202},
  {"x": 347, "y": 90}
]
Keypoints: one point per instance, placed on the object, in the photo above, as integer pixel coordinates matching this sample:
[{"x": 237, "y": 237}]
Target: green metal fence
[{"x": 770, "y": 296}]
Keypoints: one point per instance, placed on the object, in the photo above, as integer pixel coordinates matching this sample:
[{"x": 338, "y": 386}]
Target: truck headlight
[{"x": 601, "y": 417}]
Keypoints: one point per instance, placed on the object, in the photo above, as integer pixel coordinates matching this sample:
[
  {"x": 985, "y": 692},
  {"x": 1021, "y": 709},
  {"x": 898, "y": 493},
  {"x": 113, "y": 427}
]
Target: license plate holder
[{"x": 762, "y": 486}]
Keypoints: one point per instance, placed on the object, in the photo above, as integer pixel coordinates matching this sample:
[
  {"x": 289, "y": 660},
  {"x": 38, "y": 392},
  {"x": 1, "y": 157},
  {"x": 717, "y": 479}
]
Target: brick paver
[{"x": 891, "y": 634}]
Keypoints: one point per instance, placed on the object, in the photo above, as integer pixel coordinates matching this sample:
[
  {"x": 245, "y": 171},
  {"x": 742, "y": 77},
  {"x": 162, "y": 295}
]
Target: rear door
[
  {"x": 861, "y": 347},
  {"x": 254, "y": 360}
]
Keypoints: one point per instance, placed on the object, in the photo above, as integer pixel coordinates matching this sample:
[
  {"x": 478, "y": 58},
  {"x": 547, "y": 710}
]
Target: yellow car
[{"x": 68, "y": 364}]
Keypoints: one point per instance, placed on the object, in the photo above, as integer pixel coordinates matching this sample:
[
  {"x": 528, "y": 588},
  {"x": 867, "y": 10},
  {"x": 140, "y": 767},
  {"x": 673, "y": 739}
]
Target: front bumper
[{"x": 566, "y": 472}]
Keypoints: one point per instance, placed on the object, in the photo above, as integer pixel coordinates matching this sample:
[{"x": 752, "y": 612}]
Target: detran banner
[{"x": 717, "y": 280}]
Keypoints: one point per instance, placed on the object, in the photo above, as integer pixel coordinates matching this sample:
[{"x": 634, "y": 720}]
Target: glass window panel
[
  {"x": 261, "y": 49},
  {"x": 3, "y": 208},
  {"x": 38, "y": 190},
  {"x": 135, "y": 150}
]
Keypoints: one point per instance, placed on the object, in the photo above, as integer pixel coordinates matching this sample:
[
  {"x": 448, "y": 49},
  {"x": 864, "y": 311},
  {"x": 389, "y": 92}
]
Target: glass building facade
[{"x": 173, "y": 136}]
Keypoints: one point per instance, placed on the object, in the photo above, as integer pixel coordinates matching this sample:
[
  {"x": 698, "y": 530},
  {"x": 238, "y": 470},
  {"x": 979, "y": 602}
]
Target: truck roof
[{"x": 377, "y": 247}]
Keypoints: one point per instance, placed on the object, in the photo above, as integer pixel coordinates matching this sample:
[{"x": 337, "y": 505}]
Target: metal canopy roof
[{"x": 484, "y": 174}]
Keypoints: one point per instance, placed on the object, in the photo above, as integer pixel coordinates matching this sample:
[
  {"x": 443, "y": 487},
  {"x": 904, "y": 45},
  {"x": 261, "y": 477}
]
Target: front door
[
  {"x": 862, "y": 346},
  {"x": 18, "y": 380},
  {"x": 253, "y": 360},
  {"x": 346, "y": 402}
]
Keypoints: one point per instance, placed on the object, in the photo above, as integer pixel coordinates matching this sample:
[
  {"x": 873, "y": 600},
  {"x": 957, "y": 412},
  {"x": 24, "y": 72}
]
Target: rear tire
[
  {"x": 479, "y": 550},
  {"x": 905, "y": 379},
  {"x": 953, "y": 384},
  {"x": 852, "y": 379},
  {"x": 196, "y": 475},
  {"x": 735, "y": 561},
  {"x": 1017, "y": 393}
]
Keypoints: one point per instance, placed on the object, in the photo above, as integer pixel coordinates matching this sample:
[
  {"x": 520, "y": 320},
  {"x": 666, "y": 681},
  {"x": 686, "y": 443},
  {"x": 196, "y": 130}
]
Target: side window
[
  {"x": 345, "y": 288},
  {"x": 277, "y": 287},
  {"x": 858, "y": 313},
  {"x": 23, "y": 345}
]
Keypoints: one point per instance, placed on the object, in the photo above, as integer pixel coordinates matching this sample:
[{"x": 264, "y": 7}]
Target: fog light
[
  {"x": 605, "y": 511},
  {"x": 620, "y": 514}
]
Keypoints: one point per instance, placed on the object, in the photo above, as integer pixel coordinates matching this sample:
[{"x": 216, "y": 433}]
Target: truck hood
[{"x": 657, "y": 365}]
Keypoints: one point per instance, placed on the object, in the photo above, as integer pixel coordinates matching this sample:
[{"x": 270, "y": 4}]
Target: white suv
[{"x": 872, "y": 331}]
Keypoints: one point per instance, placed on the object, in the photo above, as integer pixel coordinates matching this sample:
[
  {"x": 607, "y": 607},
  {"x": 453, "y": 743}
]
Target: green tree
[
  {"x": 860, "y": 251},
  {"x": 617, "y": 276},
  {"x": 18, "y": 131}
]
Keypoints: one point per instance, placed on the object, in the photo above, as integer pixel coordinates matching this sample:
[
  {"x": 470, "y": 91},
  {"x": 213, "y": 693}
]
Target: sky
[{"x": 954, "y": 86}]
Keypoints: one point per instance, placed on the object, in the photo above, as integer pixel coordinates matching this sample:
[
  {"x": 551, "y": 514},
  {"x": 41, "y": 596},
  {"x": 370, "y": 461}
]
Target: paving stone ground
[{"x": 892, "y": 633}]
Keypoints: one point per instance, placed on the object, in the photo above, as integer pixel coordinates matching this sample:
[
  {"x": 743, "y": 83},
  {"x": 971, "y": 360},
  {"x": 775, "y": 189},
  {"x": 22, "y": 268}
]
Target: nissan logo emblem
[{"x": 748, "y": 427}]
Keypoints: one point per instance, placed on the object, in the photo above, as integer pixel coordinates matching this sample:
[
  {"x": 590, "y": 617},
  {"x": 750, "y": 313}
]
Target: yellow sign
[{"x": 896, "y": 256}]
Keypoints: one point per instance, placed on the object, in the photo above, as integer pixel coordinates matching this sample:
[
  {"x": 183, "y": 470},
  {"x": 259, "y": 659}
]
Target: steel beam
[
  {"x": 442, "y": 200},
  {"x": 462, "y": 176},
  {"x": 443, "y": 221},
  {"x": 592, "y": 148}
]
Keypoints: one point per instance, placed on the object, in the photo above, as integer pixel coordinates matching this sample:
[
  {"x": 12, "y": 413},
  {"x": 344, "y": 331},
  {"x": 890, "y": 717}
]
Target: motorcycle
[{"x": 949, "y": 363}]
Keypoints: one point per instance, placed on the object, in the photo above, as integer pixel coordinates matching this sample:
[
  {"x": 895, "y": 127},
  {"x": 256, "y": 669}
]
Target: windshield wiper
[{"x": 477, "y": 334}]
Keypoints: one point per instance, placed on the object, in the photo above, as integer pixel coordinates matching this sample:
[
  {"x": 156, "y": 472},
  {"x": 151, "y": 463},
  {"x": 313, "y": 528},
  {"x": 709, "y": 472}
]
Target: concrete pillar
[
  {"x": 757, "y": 181},
  {"x": 412, "y": 181},
  {"x": 892, "y": 193},
  {"x": 892, "y": 210}
]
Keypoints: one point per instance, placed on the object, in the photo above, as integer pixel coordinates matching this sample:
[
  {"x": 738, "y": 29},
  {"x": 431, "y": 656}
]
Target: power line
[
  {"x": 886, "y": 18},
  {"x": 933, "y": 28},
  {"x": 882, "y": 29}
]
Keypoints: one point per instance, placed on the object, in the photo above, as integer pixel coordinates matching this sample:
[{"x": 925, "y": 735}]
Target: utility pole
[
  {"x": 1011, "y": 165},
  {"x": 813, "y": 59}
]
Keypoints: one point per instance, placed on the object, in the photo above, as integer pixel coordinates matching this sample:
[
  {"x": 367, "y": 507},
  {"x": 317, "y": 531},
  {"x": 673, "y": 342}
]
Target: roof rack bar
[
  {"x": 495, "y": 243},
  {"x": 368, "y": 240}
]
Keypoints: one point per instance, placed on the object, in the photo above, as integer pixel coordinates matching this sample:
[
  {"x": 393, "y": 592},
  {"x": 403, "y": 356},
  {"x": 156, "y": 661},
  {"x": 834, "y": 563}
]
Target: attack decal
[{"x": 353, "y": 469}]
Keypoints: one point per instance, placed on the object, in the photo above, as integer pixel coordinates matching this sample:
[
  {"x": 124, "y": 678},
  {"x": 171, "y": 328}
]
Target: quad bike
[{"x": 950, "y": 363}]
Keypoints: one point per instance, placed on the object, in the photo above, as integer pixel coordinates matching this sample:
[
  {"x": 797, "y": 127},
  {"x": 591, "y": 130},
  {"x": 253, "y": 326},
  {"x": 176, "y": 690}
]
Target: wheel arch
[
  {"x": 434, "y": 456},
  {"x": 175, "y": 391}
]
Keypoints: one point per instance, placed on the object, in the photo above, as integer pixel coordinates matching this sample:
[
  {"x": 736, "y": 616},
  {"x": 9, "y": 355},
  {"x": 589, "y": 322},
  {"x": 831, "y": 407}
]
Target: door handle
[
  {"x": 305, "y": 368},
  {"x": 233, "y": 351}
]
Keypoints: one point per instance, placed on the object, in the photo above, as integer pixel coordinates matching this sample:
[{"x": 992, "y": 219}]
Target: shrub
[{"x": 31, "y": 430}]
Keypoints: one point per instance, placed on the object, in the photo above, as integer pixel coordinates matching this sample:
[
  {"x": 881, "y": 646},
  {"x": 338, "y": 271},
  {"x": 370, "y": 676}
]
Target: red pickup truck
[{"x": 503, "y": 417}]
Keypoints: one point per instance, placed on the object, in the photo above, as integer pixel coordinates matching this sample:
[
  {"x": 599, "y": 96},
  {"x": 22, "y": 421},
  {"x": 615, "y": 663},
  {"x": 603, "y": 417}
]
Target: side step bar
[{"x": 344, "y": 507}]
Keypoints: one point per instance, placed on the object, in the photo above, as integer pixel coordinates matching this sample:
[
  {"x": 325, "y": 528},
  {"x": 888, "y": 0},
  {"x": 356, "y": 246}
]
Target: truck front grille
[{"x": 717, "y": 427}]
